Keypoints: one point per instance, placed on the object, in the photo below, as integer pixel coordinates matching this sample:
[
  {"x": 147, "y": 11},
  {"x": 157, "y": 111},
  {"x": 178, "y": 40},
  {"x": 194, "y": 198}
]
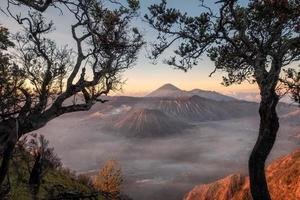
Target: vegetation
[
  {"x": 36, "y": 173},
  {"x": 250, "y": 43},
  {"x": 47, "y": 180},
  {"x": 109, "y": 179},
  {"x": 291, "y": 84},
  {"x": 43, "y": 75},
  {"x": 55, "y": 182}
]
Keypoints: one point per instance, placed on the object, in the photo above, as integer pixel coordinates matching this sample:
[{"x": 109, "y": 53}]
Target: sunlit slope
[{"x": 283, "y": 177}]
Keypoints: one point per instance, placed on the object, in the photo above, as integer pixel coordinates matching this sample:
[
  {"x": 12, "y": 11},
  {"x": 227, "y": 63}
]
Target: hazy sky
[{"x": 144, "y": 76}]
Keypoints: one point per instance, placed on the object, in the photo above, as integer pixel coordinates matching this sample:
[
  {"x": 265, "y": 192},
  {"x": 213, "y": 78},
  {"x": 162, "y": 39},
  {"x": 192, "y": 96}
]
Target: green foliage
[
  {"x": 20, "y": 189},
  {"x": 291, "y": 84},
  {"x": 55, "y": 181},
  {"x": 252, "y": 42},
  {"x": 4, "y": 39},
  {"x": 241, "y": 40},
  {"x": 134, "y": 4},
  {"x": 11, "y": 77}
]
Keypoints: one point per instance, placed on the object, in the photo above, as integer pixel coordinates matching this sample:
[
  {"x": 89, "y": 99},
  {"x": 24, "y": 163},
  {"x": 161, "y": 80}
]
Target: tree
[
  {"x": 44, "y": 160},
  {"x": 250, "y": 43},
  {"x": 291, "y": 84},
  {"x": 33, "y": 150},
  {"x": 39, "y": 5},
  {"x": 109, "y": 179},
  {"x": 106, "y": 45},
  {"x": 10, "y": 78}
]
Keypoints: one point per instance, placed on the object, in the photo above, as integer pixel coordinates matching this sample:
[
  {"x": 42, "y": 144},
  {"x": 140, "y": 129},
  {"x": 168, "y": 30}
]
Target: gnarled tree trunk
[{"x": 269, "y": 126}]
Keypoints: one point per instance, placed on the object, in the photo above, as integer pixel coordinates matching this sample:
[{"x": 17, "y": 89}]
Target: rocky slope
[
  {"x": 144, "y": 122},
  {"x": 283, "y": 177},
  {"x": 196, "y": 108}
]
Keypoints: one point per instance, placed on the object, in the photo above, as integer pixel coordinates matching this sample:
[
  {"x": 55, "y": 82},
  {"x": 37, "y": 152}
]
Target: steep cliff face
[{"x": 283, "y": 177}]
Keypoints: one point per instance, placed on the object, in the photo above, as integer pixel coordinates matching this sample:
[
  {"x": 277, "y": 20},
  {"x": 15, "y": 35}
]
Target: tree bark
[{"x": 269, "y": 125}]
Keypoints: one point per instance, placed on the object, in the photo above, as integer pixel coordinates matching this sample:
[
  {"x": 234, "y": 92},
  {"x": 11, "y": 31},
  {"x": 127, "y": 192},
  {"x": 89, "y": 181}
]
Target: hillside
[
  {"x": 283, "y": 177},
  {"x": 54, "y": 182},
  {"x": 196, "y": 108},
  {"x": 144, "y": 122}
]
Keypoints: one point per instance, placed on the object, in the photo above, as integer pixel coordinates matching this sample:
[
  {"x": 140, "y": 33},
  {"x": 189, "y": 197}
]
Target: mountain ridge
[
  {"x": 163, "y": 116},
  {"x": 196, "y": 109},
  {"x": 170, "y": 90}
]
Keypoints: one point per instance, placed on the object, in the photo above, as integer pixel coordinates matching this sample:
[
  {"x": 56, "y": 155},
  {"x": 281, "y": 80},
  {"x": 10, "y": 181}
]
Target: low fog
[{"x": 161, "y": 168}]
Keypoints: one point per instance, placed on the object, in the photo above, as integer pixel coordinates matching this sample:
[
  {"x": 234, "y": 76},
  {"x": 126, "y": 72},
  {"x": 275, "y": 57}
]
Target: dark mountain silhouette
[
  {"x": 283, "y": 176},
  {"x": 169, "y": 90},
  {"x": 144, "y": 122}
]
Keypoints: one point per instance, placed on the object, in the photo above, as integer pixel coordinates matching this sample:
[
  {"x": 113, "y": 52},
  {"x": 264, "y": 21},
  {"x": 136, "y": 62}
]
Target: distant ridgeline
[
  {"x": 169, "y": 90},
  {"x": 169, "y": 110}
]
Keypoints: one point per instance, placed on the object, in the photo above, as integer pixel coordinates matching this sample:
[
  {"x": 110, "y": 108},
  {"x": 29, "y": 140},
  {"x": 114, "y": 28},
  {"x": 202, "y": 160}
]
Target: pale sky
[{"x": 144, "y": 76}]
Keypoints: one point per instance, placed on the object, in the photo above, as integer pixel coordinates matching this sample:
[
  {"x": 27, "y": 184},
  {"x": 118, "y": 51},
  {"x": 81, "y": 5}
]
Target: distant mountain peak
[
  {"x": 168, "y": 86},
  {"x": 169, "y": 90}
]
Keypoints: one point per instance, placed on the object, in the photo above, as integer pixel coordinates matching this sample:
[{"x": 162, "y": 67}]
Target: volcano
[
  {"x": 198, "y": 109},
  {"x": 142, "y": 122},
  {"x": 169, "y": 90}
]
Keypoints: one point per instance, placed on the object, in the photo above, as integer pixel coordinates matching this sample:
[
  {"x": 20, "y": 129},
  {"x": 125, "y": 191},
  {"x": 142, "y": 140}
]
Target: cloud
[{"x": 156, "y": 168}]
